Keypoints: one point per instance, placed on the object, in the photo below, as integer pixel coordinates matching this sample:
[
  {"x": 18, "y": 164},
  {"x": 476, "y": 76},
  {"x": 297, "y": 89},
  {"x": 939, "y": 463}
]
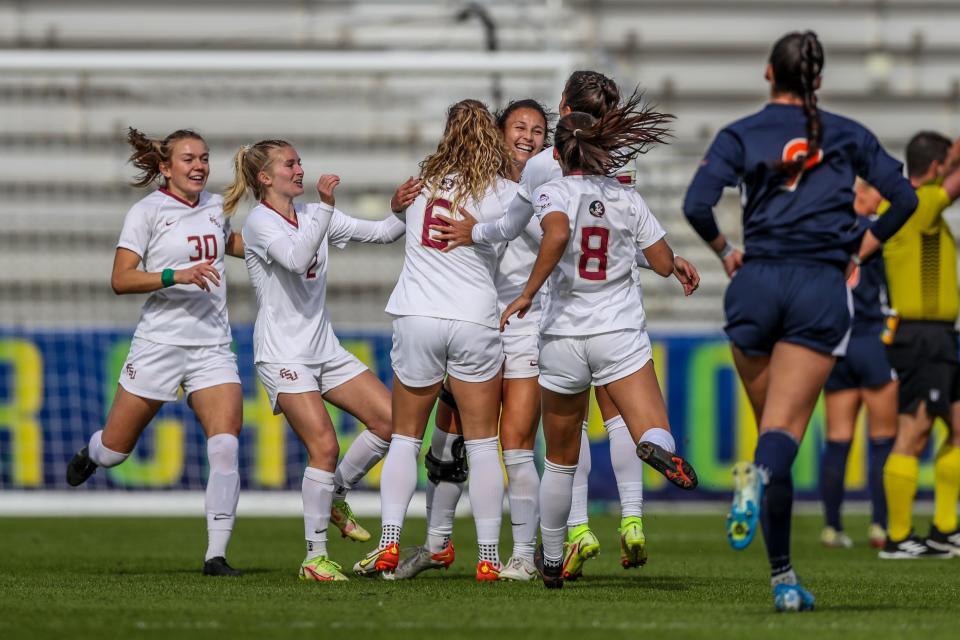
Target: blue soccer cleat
[
  {"x": 744, "y": 516},
  {"x": 792, "y": 597}
]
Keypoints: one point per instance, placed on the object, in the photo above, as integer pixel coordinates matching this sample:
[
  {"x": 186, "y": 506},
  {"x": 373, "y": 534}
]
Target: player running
[
  {"x": 788, "y": 308},
  {"x": 595, "y": 94},
  {"x": 864, "y": 376},
  {"x": 445, "y": 324},
  {"x": 180, "y": 233},
  {"x": 592, "y": 323},
  {"x": 298, "y": 357}
]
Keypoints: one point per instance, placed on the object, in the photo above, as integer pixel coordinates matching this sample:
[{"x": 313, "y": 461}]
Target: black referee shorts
[{"x": 925, "y": 355}]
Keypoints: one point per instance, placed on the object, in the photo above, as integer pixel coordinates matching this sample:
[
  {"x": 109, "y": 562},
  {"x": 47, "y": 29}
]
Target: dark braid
[
  {"x": 797, "y": 61},
  {"x": 601, "y": 146},
  {"x": 591, "y": 92}
]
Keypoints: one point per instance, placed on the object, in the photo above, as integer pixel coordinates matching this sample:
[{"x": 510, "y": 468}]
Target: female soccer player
[
  {"x": 592, "y": 323},
  {"x": 445, "y": 324},
  {"x": 863, "y": 377},
  {"x": 180, "y": 233},
  {"x": 787, "y": 307},
  {"x": 593, "y": 93},
  {"x": 298, "y": 357},
  {"x": 524, "y": 126}
]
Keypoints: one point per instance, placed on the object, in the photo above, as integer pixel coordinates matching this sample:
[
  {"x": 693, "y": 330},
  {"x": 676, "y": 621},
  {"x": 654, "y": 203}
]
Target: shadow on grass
[{"x": 182, "y": 572}]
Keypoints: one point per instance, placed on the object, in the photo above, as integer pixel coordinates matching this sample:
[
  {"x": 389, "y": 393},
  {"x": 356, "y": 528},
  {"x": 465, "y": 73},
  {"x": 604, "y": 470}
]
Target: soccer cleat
[
  {"x": 487, "y": 571},
  {"x": 341, "y": 515},
  {"x": 792, "y": 597},
  {"x": 673, "y": 467},
  {"x": 744, "y": 516},
  {"x": 552, "y": 575},
  {"x": 80, "y": 468},
  {"x": 911, "y": 548},
  {"x": 218, "y": 566},
  {"x": 940, "y": 541},
  {"x": 633, "y": 544},
  {"x": 877, "y": 535},
  {"x": 378, "y": 560},
  {"x": 835, "y": 539},
  {"x": 581, "y": 545},
  {"x": 420, "y": 560},
  {"x": 321, "y": 569},
  {"x": 519, "y": 569}
]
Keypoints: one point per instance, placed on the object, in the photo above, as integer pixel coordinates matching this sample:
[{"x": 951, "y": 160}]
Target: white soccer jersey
[
  {"x": 292, "y": 323},
  {"x": 458, "y": 285},
  {"x": 592, "y": 289},
  {"x": 513, "y": 270},
  {"x": 170, "y": 233}
]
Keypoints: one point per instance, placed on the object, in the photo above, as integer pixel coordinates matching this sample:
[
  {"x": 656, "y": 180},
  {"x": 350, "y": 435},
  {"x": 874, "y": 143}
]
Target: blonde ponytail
[{"x": 248, "y": 162}]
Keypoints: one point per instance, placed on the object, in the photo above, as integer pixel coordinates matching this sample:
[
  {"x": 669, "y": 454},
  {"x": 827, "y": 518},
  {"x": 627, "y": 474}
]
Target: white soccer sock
[
  {"x": 442, "y": 498},
  {"x": 556, "y": 488},
  {"x": 317, "y": 494},
  {"x": 397, "y": 484},
  {"x": 101, "y": 456},
  {"x": 660, "y": 437},
  {"x": 486, "y": 494},
  {"x": 223, "y": 491},
  {"x": 366, "y": 451},
  {"x": 578, "y": 507},
  {"x": 627, "y": 467},
  {"x": 523, "y": 492}
]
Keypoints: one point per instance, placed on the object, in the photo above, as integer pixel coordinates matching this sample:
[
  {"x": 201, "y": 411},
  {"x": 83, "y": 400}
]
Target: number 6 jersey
[
  {"x": 592, "y": 289},
  {"x": 170, "y": 233},
  {"x": 458, "y": 285}
]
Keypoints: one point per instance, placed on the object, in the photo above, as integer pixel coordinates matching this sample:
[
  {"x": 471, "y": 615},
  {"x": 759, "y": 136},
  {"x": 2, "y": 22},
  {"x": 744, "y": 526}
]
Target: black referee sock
[{"x": 776, "y": 451}]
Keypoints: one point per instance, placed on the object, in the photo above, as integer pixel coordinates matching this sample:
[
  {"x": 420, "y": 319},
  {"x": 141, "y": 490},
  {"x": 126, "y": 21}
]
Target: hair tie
[
  {"x": 246, "y": 148},
  {"x": 575, "y": 132}
]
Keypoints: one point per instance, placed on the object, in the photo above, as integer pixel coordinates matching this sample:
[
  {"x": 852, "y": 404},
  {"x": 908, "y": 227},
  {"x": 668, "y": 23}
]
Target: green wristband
[{"x": 167, "y": 278}]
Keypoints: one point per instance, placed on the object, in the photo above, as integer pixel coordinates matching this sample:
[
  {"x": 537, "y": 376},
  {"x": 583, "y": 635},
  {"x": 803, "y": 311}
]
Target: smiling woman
[{"x": 180, "y": 234}]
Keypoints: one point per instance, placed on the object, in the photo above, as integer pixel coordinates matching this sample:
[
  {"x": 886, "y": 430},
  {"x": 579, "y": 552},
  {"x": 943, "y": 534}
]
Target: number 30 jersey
[
  {"x": 592, "y": 289},
  {"x": 458, "y": 285},
  {"x": 170, "y": 233}
]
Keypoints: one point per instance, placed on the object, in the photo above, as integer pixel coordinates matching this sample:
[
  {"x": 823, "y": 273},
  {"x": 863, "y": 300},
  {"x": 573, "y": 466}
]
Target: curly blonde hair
[{"x": 472, "y": 152}]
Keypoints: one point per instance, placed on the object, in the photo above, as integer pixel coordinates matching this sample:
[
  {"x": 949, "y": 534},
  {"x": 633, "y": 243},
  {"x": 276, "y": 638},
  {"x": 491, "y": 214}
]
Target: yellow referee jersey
[{"x": 921, "y": 261}]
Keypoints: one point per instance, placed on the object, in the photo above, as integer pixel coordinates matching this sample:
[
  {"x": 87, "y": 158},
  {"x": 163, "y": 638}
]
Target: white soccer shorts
[
  {"x": 341, "y": 367},
  {"x": 426, "y": 349},
  {"x": 521, "y": 356},
  {"x": 570, "y": 364},
  {"x": 155, "y": 371}
]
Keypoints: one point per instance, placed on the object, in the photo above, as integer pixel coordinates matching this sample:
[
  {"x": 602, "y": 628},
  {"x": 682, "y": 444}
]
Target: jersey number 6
[
  {"x": 206, "y": 247},
  {"x": 593, "y": 245}
]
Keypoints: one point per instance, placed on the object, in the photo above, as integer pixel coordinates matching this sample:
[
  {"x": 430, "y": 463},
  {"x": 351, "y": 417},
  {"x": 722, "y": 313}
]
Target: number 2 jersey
[
  {"x": 592, "y": 289},
  {"x": 170, "y": 233},
  {"x": 292, "y": 324},
  {"x": 458, "y": 285}
]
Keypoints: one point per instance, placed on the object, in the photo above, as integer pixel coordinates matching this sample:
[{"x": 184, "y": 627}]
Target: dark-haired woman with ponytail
[
  {"x": 592, "y": 327},
  {"x": 788, "y": 308},
  {"x": 180, "y": 234}
]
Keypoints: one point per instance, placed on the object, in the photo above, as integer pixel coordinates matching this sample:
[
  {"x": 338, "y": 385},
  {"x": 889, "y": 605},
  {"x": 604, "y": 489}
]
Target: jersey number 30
[
  {"x": 593, "y": 253},
  {"x": 205, "y": 247}
]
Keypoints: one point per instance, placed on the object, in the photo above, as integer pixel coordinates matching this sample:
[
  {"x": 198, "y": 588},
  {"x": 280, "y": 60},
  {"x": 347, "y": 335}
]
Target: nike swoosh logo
[
  {"x": 364, "y": 562},
  {"x": 517, "y": 524},
  {"x": 170, "y": 222},
  {"x": 319, "y": 531},
  {"x": 221, "y": 516}
]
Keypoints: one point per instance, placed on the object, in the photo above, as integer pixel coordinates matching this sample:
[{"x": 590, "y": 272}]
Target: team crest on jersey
[
  {"x": 214, "y": 220},
  {"x": 447, "y": 184},
  {"x": 542, "y": 203},
  {"x": 597, "y": 209},
  {"x": 794, "y": 150}
]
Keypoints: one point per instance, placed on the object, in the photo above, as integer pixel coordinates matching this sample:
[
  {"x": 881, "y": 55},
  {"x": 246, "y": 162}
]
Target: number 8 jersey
[
  {"x": 592, "y": 289},
  {"x": 170, "y": 233}
]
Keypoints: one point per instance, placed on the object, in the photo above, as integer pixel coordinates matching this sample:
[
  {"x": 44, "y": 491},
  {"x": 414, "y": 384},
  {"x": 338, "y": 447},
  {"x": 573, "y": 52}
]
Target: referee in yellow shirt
[{"x": 921, "y": 263}]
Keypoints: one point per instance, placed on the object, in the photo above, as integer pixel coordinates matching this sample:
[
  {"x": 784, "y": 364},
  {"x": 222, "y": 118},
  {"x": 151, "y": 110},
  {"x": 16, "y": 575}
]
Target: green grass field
[{"x": 117, "y": 578}]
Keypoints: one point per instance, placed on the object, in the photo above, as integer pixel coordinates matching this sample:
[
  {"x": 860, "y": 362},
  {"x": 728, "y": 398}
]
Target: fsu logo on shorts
[
  {"x": 286, "y": 374},
  {"x": 131, "y": 372},
  {"x": 597, "y": 209}
]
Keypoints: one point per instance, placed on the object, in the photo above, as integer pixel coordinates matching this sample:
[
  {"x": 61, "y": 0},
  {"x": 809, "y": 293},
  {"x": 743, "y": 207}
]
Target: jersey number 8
[{"x": 593, "y": 246}]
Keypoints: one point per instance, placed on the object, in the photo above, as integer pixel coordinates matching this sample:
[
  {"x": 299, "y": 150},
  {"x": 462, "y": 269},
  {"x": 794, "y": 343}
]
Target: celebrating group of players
[{"x": 519, "y": 292}]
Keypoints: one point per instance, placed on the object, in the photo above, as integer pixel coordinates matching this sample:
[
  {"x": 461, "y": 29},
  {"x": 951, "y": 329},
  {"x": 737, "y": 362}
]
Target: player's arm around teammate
[
  {"x": 580, "y": 347},
  {"x": 787, "y": 307},
  {"x": 298, "y": 357},
  {"x": 180, "y": 234}
]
